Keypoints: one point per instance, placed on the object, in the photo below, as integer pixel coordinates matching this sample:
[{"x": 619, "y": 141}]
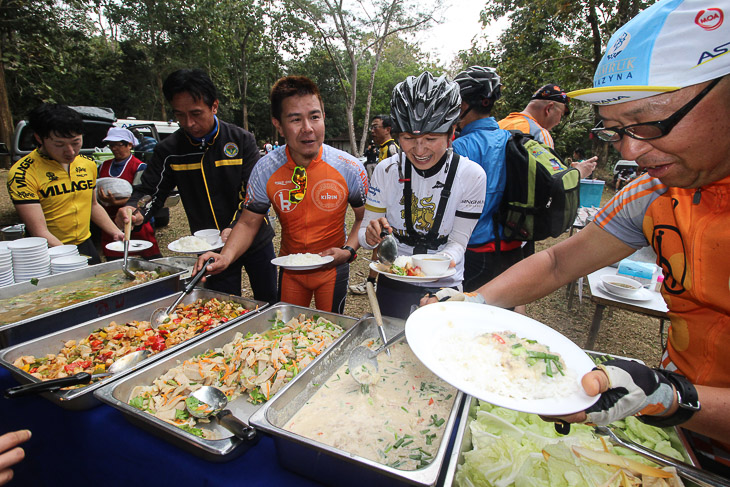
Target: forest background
[{"x": 116, "y": 53}]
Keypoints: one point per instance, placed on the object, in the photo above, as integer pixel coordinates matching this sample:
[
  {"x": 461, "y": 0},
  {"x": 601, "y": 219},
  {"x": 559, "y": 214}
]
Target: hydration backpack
[{"x": 541, "y": 196}]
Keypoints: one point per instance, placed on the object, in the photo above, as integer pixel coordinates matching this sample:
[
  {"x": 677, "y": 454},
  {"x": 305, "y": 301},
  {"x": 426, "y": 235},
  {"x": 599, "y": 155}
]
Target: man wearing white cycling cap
[{"x": 663, "y": 94}]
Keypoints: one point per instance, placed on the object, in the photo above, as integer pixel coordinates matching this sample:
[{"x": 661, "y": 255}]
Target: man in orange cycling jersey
[
  {"x": 309, "y": 184},
  {"x": 672, "y": 119}
]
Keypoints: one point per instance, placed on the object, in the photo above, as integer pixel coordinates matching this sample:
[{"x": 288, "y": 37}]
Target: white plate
[
  {"x": 134, "y": 246},
  {"x": 28, "y": 243},
  {"x": 174, "y": 247},
  {"x": 281, "y": 262},
  {"x": 380, "y": 269},
  {"x": 429, "y": 326},
  {"x": 642, "y": 294}
]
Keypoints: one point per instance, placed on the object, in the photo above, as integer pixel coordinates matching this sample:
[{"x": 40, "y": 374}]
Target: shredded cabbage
[{"x": 508, "y": 451}]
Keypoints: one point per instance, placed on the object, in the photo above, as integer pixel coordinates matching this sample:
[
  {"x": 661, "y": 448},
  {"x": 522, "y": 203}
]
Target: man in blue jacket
[{"x": 483, "y": 142}]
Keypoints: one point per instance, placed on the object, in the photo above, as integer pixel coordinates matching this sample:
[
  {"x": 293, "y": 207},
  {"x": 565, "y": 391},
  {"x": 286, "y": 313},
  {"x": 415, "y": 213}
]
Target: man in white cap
[
  {"x": 127, "y": 167},
  {"x": 662, "y": 93}
]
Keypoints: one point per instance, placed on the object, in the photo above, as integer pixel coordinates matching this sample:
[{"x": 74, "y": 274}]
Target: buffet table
[{"x": 99, "y": 447}]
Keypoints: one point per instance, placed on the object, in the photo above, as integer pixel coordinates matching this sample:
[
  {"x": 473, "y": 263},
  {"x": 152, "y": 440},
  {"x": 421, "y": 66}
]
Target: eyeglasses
[
  {"x": 376, "y": 127},
  {"x": 298, "y": 177},
  {"x": 651, "y": 130}
]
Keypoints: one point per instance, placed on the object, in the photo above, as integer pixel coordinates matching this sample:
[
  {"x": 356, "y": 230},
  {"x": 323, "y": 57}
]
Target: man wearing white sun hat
[{"x": 663, "y": 94}]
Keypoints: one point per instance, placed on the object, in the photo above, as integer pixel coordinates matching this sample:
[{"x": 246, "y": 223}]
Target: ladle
[
  {"x": 121, "y": 364},
  {"x": 210, "y": 401},
  {"x": 161, "y": 314},
  {"x": 127, "y": 233},
  {"x": 375, "y": 307},
  {"x": 387, "y": 249},
  {"x": 363, "y": 364}
]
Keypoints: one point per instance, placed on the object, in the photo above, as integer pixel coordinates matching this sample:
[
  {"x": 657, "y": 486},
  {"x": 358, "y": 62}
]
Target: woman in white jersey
[{"x": 446, "y": 192}]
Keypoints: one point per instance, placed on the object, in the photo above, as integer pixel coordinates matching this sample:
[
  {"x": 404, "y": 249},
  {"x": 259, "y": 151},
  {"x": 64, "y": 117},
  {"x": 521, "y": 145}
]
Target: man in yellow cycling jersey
[{"x": 52, "y": 188}]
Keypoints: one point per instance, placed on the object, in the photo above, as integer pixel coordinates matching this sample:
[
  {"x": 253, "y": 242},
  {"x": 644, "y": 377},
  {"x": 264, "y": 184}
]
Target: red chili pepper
[
  {"x": 33, "y": 370},
  {"x": 85, "y": 364},
  {"x": 140, "y": 348},
  {"x": 104, "y": 356},
  {"x": 163, "y": 332},
  {"x": 177, "y": 320},
  {"x": 211, "y": 322},
  {"x": 498, "y": 338},
  {"x": 96, "y": 345},
  {"x": 156, "y": 343},
  {"x": 69, "y": 368},
  {"x": 430, "y": 401},
  {"x": 118, "y": 336},
  {"x": 224, "y": 320}
]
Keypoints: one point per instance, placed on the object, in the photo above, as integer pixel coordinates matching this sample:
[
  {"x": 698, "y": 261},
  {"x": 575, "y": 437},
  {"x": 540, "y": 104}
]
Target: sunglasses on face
[{"x": 651, "y": 130}]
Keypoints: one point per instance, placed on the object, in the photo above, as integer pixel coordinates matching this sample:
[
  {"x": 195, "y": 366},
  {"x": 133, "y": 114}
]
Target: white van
[{"x": 163, "y": 129}]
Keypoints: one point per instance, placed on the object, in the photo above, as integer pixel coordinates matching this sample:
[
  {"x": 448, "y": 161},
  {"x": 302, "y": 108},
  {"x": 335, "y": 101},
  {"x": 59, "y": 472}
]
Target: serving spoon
[
  {"x": 161, "y": 314},
  {"x": 126, "y": 362},
  {"x": 363, "y": 362},
  {"x": 209, "y": 402},
  {"x": 387, "y": 249}
]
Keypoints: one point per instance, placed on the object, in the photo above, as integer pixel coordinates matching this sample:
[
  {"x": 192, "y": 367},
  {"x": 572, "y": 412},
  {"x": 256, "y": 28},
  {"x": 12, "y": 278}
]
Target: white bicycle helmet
[{"x": 424, "y": 104}]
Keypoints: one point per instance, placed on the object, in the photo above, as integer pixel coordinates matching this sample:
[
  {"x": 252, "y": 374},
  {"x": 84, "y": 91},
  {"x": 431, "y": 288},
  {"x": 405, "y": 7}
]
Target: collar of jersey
[
  {"x": 431, "y": 171},
  {"x": 487, "y": 123},
  {"x": 291, "y": 164},
  {"x": 209, "y": 138}
]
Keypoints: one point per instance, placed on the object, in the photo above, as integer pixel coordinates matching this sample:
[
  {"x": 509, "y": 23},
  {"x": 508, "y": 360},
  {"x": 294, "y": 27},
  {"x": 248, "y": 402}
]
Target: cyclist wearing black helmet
[
  {"x": 483, "y": 142},
  {"x": 428, "y": 197}
]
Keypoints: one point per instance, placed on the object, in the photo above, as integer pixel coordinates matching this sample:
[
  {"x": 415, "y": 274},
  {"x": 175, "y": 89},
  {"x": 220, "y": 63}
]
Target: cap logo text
[{"x": 710, "y": 19}]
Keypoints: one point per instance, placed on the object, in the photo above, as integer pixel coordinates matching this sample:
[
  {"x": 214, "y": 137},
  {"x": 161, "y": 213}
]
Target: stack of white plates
[
  {"x": 68, "y": 263},
  {"x": 6, "y": 265},
  {"x": 30, "y": 258},
  {"x": 62, "y": 251}
]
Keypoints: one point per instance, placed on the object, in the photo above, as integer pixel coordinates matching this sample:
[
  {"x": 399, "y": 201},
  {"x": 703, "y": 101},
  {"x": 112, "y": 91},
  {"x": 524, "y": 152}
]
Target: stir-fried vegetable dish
[
  {"x": 97, "y": 351},
  {"x": 254, "y": 364}
]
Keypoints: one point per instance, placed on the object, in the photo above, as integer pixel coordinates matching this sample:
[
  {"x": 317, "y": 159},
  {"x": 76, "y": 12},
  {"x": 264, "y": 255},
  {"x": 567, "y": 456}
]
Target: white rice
[
  {"x": 303, "y": 259},
  {"x": 192, "y": 244},
  {"x": 402, "y": 260},
  {"x": 480, "y": 363}
]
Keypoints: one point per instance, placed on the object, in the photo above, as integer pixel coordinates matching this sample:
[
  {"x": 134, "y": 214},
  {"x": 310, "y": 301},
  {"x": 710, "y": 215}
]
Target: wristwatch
[
  {"x": 687, "y": 399},
  {"x": 353, "y": 254}
]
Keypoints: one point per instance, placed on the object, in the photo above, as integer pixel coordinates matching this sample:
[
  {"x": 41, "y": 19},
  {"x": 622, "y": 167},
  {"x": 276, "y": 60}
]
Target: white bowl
[
  {"x": 432, "y": 264},
  {"x": 210, "y": 235},
  {"x": 620, "y": 285}
]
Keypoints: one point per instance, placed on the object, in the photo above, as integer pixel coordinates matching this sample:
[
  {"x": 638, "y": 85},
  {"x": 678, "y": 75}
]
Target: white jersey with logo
[{"x": 463, "y": 207}]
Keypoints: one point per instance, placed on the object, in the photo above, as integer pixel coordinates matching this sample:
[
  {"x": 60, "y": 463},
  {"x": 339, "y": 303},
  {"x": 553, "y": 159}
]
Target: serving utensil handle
[
  {"x": 236, "y": 426},
  {"x": 47, "y": 386},
  {"x": 375, "y": 307}
]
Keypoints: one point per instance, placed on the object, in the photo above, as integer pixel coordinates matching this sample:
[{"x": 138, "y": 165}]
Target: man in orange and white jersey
[
  {"x": 309, "y": 184},
  {"x": 672, "y": 118}
]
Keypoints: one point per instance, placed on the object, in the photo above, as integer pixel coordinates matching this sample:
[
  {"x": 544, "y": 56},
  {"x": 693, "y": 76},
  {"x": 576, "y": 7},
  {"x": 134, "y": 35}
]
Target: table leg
[
  {"x": 569, "y": 291},
  {"x": 595, "y": 325}
]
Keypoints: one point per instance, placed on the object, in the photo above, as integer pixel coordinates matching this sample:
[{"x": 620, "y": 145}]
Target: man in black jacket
[{"x": 210, "y": 162}]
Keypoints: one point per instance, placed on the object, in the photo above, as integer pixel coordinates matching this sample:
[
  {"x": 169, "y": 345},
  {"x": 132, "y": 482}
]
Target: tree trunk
[
  {"x": 163, "y": 108},
  {"x": 244, "y": 75},
  {"x": 6, "y": 117}
]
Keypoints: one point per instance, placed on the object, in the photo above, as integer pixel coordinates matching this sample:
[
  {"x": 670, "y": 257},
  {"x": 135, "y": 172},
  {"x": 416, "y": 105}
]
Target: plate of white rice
[
  {"x": 302, "y": 262},
  {"x": 193, "y": 245},
  {"x": 460, "y": 342}
]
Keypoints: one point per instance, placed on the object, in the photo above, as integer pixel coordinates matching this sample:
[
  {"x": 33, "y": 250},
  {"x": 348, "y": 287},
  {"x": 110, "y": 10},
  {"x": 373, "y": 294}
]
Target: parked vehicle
[{"x": 623, "y": 172}]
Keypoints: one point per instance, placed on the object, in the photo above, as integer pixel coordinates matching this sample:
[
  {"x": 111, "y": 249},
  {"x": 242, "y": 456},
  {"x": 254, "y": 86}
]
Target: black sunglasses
[{"x": 651, "y": 130}]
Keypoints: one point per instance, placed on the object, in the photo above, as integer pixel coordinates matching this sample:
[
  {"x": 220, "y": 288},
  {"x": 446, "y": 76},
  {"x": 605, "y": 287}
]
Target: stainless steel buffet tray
[
  {"x": 463, "y": 442},
  {"x": 58, "y": 319},
  {"x": 83, "y": 398},
  {"x": 117, "y": 393},
  {"x": 327, "y": 464}
]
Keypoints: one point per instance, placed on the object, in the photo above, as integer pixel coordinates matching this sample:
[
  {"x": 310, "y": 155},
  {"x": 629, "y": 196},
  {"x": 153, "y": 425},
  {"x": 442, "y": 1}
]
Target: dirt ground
[{"x": 622, "y": 332}]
